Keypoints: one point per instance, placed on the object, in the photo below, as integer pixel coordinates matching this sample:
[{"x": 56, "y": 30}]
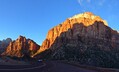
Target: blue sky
[{"x": 33, "y": 18}]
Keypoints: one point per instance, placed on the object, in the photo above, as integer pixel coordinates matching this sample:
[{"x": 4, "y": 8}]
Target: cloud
[
  {"x": 80, "y": 2},
  {"x": 101, "y": 2},
  {"x": 98, "y": 2},
  {"x": 88, "y": 1},
  {"x": 84, "y": 4}
]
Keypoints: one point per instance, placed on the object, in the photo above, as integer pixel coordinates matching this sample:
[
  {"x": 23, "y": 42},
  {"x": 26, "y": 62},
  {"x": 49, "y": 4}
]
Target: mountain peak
[
  {"x": 85, "y": 14},
  {"x": 21, "y": 37},
  {"x": 84, "y": 24},
  {"x": 89, "y": 13},
  {"x": 21, "y": 47},
  {"x": 4, "y": 43},
  {"x": 87, "y": 18}
]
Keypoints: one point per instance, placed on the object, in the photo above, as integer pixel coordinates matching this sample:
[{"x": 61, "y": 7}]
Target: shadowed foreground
[{"x": 50, "y": 66}]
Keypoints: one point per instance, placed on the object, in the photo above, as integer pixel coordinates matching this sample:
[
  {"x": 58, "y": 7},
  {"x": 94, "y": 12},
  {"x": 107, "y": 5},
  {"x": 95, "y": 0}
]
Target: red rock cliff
[
  {"x": 86, "y": 25},
  {"x": 20, "y": 47}
]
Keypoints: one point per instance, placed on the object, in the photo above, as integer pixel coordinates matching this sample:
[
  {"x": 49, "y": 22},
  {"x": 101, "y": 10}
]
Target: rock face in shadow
[
  {"x": 85, "y": 38},
  {"x": 4, "y": 44},
  {"x": 86, "y": 19},
  {"x": 21, "y": 47},
  {"x": 96, "y": 49}
]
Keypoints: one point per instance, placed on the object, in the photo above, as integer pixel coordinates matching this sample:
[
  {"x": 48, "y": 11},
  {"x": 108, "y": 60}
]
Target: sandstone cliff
[
  {"x": 21, "y": 47},
  {"x": 84, "y": 38},
  {"x": 4, "y": 44},
  {"x": 87, "y": 25}
]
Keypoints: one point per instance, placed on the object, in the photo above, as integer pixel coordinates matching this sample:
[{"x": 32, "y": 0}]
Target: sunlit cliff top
[{"x": 88, "y": 15}]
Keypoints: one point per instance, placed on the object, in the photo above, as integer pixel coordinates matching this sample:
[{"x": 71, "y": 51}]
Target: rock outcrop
[
  {"x": 4, "y": 44},
  {"x": 85, "y": 38},
  {"x": 90, "y": 25},
  {"x": 21, "y": 47}
]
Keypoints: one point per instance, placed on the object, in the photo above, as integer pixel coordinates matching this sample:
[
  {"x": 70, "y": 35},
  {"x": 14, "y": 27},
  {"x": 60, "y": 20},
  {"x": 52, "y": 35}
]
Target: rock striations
[
  {"x": 21, "y": 47},
  {"x": 85, "y": 38},
  {"x": 4, "y": 44},
  {"x": 83, "y": 25}
]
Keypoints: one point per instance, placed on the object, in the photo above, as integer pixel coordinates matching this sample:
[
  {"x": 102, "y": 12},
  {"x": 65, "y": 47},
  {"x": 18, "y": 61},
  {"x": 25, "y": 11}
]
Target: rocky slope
[
  {"x": 85, "y": 38},
  {"x": 87, "y": 23},
  {"x": 21, "y": 47},
  {"x": 4, "y": 44}
]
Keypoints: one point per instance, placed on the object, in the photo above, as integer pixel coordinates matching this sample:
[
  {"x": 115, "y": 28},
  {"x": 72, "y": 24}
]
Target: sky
[{"x": 33, "y": 18}]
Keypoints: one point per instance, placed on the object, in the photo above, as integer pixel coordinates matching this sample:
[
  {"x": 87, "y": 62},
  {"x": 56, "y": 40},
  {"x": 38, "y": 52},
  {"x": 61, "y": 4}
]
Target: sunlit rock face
[
  {"x": 85, "y": 38},
  {"x": 87, "y": 19},
  {"x": 4, "y": 44},
  {"x": 88, "y": 25},
  {"x": 21, "y": 47}
]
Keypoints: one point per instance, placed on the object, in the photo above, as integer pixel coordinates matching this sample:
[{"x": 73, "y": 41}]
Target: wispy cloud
[
  {"x": 98, "y": 2},
  {"x": 88, "y": 1},
  {"x": 101, "y": 2},
  {"x": 84, "y": 4},
  {"x": 80, "y": 2}
]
